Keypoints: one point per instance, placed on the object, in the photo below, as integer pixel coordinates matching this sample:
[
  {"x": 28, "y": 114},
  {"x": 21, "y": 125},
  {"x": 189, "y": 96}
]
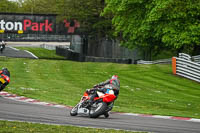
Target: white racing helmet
[{"x": 115, "y": 82}]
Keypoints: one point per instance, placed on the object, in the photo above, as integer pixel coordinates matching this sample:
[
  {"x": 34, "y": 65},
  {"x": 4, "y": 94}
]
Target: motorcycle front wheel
[
  {"x": 97, "y": 110},
  {"x": 74, "y": 110}
]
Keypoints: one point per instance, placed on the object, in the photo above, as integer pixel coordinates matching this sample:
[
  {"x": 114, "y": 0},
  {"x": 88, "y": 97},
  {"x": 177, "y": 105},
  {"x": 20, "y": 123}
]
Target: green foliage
[
  {"x": 39, "y": 6},
  {"x": 150, "y": 23},
  {"x": 8, "y": 6}
]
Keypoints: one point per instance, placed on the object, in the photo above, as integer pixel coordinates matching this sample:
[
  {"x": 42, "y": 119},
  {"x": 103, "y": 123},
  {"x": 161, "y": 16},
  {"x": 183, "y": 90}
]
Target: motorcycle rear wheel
[{"x": 98, "y": 110}]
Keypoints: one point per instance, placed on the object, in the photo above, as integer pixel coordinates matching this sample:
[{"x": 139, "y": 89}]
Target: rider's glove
[{"x": 96, "y": 86}]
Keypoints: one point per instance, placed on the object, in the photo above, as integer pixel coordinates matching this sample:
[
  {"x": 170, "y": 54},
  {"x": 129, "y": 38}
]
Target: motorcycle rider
[
  {"x": 110, "y": 84},
  {"x": 4, "y": 78},
  {"x": 2, "y": 46}
]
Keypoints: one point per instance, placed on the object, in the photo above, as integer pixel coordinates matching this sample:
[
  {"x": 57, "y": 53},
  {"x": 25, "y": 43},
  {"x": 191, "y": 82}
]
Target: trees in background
[
  {"x": 152, "y": 25},
  {"x": 40, "y": 6},
  {"x": 8, "y": 6},
  {"x": 157, "y": 24}
]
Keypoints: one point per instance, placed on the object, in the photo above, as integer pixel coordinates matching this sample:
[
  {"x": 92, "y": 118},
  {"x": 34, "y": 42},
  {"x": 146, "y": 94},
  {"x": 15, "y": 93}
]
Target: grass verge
[
  {"x": 24, "y": 127},
  {"x": 147, "y": 89},
  {"x": 42, "y": 53}
]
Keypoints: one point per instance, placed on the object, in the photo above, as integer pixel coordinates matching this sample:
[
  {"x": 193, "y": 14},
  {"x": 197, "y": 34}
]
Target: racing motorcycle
[{"x": 101, "y": 105}]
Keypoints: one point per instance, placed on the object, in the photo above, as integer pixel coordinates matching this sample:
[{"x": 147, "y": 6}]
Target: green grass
[
  {"x": 147, "y": 89},
  {"x": 23, "y": 127},
  {"x": 42, "y": 53}
]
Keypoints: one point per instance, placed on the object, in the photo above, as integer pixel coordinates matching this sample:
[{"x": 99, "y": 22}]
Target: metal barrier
[
  {"x": 53, "y": 46},
  {"x": 185, "y": 67},
  {"x": 113, "y": 60},
  {"x": 169, "y": 61},
  {"x": 35, "y": 37},
  {"x": 109, "y": 48},
  {"x": 163, "y": 61},
  {"x": 196, "y": 59}
]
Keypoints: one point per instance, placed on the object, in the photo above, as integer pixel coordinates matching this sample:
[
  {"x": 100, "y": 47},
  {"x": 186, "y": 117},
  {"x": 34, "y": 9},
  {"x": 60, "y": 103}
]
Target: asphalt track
[
  {"x": 22, "y": 111},
  {"x": 16, "y": 53},
  {"x": 10, "y": 51}
]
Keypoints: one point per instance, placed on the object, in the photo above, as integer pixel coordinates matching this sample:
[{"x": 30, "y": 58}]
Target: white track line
[
  {"x": 14, "y": 48},
  {"x": 31, "y": 54},
  {"x": 25, "y": 51}
]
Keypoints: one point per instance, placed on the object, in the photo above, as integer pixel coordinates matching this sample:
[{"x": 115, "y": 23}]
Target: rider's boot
[
  {"x": 106, "y": 115},
  {"x": 91, "y": 100}
]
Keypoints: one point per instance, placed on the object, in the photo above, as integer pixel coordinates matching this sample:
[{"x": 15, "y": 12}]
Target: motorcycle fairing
[
  {"x": 108, "y": 97},
  {"x": 84, "y": 111},
  {"x": 2, "y": 80}
]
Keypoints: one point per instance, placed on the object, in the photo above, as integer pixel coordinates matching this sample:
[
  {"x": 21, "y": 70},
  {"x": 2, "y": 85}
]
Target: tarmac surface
[
  {"x": 12, "y": 51},
  {"x": 14, "y": 110},
  {"x": 16, "y": 53}
]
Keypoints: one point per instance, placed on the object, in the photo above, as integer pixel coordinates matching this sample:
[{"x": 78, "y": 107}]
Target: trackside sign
[
  {"x": 25, "y": 25},
  {"x": 36, "y": 24}
]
